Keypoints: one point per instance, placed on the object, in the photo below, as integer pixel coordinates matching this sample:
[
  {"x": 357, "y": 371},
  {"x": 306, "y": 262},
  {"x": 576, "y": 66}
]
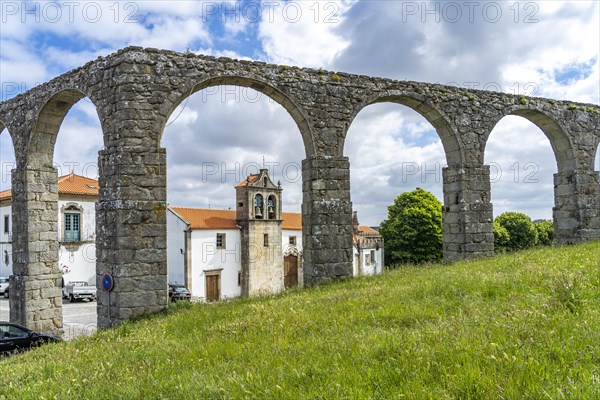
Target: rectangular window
[
  {"x": 293, "y": 240},
  {"x": 266, "y": 240},
  {"x": 220, "y": 240},
  {"x": 7, "y": 224},
  {"x": 239, "y": 279},
  {"x": 368, "y": 259},
  {"x": 72, "y": 227},
  {"x": 372, "y": 256}
]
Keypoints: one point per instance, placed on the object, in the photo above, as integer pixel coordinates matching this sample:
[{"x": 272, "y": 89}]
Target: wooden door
[
  {"x": 213, "y": 287},
  {"x": 290, "y": 271}
]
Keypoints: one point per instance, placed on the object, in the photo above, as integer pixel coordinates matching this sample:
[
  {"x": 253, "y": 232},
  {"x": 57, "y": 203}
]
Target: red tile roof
[
  {"x": 251, "y": 179},
  {"x": 367, "y": 230},
  {"x": 292, "y": 221},
  {"x": 77, "y": 184},
  {"x": 68, "y": 184},
  {"x": 208, "y": 218},
  {"x": 5, "y": 195}
]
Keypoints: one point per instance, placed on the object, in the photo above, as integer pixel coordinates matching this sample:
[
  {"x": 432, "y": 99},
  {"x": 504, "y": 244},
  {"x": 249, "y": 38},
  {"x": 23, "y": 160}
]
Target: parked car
[
  {"x": 177, "y": 292},
  {"x": 79, "y": 290},
  {"x": 15, "y": 338},
  {"x": 4, "y": 286}
]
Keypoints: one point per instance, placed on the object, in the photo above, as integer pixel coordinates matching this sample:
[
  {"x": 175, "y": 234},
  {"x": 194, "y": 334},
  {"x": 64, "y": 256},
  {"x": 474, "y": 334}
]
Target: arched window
[
  {"x": 258, "y": 207},
  {"x": 272, "y": 207},
  {"x": 72, "y": 223}
]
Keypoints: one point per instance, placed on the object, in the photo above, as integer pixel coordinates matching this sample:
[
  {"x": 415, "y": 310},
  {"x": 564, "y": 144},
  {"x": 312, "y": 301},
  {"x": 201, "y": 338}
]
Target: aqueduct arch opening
[
  {"x": 204, "y": 131},
  {"x": 567, "y": 216},
  {"x": 7, "y": 157},
  {"x": 522, "y": 165},
  {"x": 7, "y": 164},
  {"x": 134, "y": 109},
  {"x": 37, "y": 273},
  {"x": 409, "y": 154}
]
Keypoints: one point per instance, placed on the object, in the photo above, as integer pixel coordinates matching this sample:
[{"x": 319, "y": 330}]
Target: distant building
[
  {"x": 217, "y": 254},
  {"x": 77, "y": 197},
  {"x": 255, "y": 249},
  {"x": 368, "y": 249}
]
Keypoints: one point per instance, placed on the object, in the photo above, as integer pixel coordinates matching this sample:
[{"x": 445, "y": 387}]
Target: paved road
[{"x": 78, "y": 318}]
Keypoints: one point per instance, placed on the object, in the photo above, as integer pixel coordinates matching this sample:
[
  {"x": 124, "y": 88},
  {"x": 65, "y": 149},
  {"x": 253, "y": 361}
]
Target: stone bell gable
[{"x": 258, "y": 213}]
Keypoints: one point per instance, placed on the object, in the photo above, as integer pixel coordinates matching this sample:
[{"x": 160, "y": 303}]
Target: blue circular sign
[{"x": 107, "y": 282}]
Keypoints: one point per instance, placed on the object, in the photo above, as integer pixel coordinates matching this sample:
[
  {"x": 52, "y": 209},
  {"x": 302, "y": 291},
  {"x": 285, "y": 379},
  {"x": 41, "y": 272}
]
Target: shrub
[
  {"x": 545, "y": 232},
  {"x": 413, "y": 230},
  {"x": 501, "y": 238},
  {"x": 521, "y": 231}
]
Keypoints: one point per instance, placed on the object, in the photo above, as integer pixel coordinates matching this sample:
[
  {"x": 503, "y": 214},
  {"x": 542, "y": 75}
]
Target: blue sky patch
[{"x": 574, "y": 72}]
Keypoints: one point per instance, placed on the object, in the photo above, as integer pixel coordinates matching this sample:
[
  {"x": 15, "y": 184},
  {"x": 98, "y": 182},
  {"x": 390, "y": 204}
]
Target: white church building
[{"x": 217, "y": 254}]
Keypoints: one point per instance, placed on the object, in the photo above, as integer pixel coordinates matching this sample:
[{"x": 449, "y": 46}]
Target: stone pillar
[
  {"x": 468, "y": 229},
  {"x": 576, "y": 209},
  {"x": 131, "y": 231},
  {"x": 326, "y": 219},
  {"x": 35, "y": 291}
]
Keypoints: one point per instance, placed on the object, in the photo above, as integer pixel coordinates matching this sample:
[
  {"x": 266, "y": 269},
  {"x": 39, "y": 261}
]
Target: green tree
[
  {"x": 545, "y": 231},
  {"x": 522, "y": 234},
  {"x": 501, "y": 238},
  {"x": 413, "y": 229}
]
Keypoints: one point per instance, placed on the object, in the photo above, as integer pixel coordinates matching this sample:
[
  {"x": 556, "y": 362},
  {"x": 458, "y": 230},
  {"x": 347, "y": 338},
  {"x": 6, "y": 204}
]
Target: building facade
[
  {"x": 76, "y": 218},
  {"x": 255, "y": 249},
  {"x": 217, "y": 254}
]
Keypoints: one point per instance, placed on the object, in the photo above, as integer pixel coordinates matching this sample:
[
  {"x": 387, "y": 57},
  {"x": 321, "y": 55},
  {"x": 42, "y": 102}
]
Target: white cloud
[{"x": 303, "y": 33}]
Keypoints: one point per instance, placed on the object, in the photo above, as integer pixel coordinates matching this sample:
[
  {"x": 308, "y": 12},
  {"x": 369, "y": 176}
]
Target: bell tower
[{"x": 258, "y": 213}]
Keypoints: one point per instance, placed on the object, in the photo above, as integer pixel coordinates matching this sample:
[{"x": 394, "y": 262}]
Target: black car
[
  {"x": 15, "y": 337},
  {"x": 179, "y": 293}
]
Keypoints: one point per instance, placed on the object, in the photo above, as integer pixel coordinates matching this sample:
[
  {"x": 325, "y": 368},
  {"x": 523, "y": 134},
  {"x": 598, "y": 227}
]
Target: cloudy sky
[{"x": 218, "y": 136}]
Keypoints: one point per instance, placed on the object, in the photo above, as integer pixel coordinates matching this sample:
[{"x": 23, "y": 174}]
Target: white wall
[
  {"x": 374, "y": 266},
  {"x": 176, "y": 248},
  {"x": 285, "y": 239},
  {"x": 78, "y": 265},
  {"x": 206, "y": 256},
  {"x": 5, "y": 239}
]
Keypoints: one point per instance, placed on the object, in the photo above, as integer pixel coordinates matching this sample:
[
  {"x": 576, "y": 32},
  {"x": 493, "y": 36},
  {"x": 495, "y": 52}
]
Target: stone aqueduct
[{"x": 135, "y": 90}]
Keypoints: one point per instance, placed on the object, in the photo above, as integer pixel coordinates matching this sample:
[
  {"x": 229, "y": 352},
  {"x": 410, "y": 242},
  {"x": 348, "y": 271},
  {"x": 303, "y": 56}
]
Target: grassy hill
[{"x": 519, "y": 326}]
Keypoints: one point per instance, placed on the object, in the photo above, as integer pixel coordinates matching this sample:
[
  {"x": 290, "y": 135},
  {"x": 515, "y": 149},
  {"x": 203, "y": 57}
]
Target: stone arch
[
  {"x": 49, "y": 121},
  {"x": 420, "y": 104},
  {"x": 258, "y": 84},
  {"x": 559, "y": 140}
]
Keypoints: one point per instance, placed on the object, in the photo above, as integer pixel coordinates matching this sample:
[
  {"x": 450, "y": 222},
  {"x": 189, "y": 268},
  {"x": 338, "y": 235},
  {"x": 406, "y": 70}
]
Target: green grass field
[{"x": 519, "y": 326}]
